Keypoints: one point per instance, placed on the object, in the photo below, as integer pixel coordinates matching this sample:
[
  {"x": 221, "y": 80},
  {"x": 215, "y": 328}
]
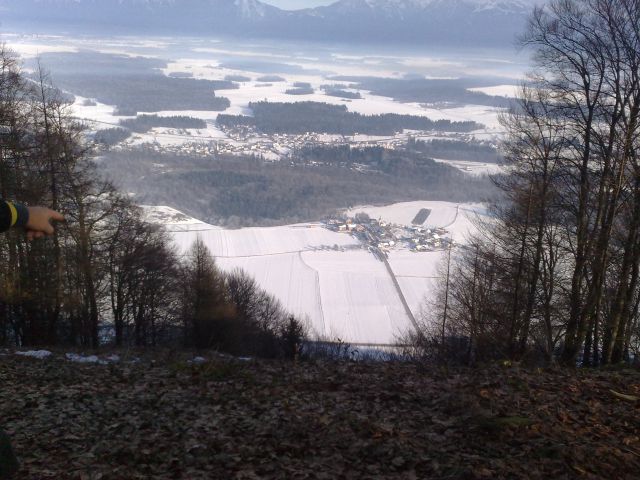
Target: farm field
[{"x": 327, "y": 278}]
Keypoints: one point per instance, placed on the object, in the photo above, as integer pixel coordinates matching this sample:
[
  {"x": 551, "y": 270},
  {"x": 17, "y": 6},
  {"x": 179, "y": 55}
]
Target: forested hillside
[
  {"x": 308, "y": 185},
  {"x": 107, "y": 276}
]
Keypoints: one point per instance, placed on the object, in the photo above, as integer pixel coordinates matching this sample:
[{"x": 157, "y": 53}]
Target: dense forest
[
  {"x": 555, "y": 275},
  {"x": 109, "y": 137},
  {"x": 270, "y": 78},
  {"x": 133, "y": 84},
  {"x": 470, "y": 150},
  {"x": 144, "y": 123},
  {"x": 452, "y": 92},
  {"x": 335, "y": 92},
  {"x": 147, "y": 93},
  {"x": 396, "y": 163},
  {"x": 237, "y": 78},
  {"x": 236, "y": 191},
  {"x": 302, "y": 117},
  {"x": 300, "y": 91},
  {"x": 106, "y": 275}
]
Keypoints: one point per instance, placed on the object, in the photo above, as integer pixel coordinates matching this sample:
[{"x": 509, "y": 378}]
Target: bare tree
[{"x": 557, "y": 267}]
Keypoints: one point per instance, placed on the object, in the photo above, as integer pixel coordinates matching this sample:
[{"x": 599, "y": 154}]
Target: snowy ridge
[
  {"x": 251, "y": 8},
  {"x": 393, "y": 21},
  {"x": 393, "y": 6}
]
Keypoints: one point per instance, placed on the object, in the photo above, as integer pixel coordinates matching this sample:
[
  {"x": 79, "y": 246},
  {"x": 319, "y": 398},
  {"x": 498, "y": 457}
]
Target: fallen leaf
[{"x": 622, "y": 396}]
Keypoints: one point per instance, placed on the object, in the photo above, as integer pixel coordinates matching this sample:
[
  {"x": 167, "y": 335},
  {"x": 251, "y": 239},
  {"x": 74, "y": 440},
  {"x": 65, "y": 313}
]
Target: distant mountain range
[{"x": 450, "y": 22}]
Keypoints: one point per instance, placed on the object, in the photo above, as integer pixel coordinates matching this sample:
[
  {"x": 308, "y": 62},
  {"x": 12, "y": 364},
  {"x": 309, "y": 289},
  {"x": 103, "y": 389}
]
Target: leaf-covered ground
[{"x": 228, "y": 419}]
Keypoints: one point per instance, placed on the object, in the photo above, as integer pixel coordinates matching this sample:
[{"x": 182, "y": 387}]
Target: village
[
  {"x": 285, "y": 143},
  {"x": 381, "y": 237},
  {"x": 245, "y": 141}
]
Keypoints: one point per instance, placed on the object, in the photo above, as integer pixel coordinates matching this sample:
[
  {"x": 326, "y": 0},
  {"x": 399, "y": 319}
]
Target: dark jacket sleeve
[{"x": 12, "y": 214}]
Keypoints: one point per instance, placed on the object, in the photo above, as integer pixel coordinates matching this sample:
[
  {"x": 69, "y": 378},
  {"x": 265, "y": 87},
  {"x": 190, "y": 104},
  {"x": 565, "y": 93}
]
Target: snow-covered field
[
  {"x": 509, "y": 91},
  {"x": 442, "y": 214},
  {"x": 329, "y": 278},
  {"x": 359, "y": 301},
  {"x": 420, "y": 293},
  {"x": 100, "y": 114},
  {"x": 320, "y": 275},
  {"x": 252, "y": 242},
  {"x": 473, "y": 168}
]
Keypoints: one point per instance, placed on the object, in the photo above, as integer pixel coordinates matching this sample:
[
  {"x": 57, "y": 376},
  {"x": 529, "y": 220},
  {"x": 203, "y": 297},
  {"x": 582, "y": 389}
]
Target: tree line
[
  {"x": 144, "y": 123},
  {"x": 413, "y": 166},
  {"x": 430, "y": 91},
  {"x": 471, "y": 150},
  {"x": 134, "y": 84},
  {"x": 302, "y": 117},
  {"x": 107, "y": 275},
  {"x": 555, "y": 273},
  {"x": 335, "y": 92}
]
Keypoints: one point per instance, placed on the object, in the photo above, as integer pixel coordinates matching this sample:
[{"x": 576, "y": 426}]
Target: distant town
[{"x": 242, "y": 140}]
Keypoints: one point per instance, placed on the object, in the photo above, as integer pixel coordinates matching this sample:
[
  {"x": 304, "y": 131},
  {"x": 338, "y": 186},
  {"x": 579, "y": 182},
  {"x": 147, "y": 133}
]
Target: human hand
[{"x": 39, "y": 223}]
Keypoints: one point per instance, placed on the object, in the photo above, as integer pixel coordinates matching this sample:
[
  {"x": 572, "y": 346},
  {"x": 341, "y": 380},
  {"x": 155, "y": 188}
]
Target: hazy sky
[{"x": 297, "y": 4}]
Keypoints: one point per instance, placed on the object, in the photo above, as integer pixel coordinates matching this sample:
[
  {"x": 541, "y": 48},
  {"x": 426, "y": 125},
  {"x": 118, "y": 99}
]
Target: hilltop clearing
[{"x": 236, "y": 419}]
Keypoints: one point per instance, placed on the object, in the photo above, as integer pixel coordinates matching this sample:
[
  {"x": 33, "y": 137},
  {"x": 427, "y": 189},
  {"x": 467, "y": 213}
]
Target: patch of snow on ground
[
  {"x": 406, "y": 263},
  {"x": 100, "y": 116},
  {"x": 510, "y": 91},
  {"x": 254, "y": 242},
  {"x": 419, "y": 293},
  {"x": 166, "y": 137},
  {"x": 169, "y": 216},
  {"x": 473, "y": 168},
  {"x": 369, "y": 104},
  {"x": 76, "y": 358},
  {"x": 41, "y": 354},
  {"x": 25, "y": 49},
  {"x": 442, "y": 214},
  {"x": 289, "y": 279},
  {"x": 323, "y": 277},
  {"x": 255, "y": 91},
  {"x": 469, "y": 215},
  {"x": 487, "y": 116}
]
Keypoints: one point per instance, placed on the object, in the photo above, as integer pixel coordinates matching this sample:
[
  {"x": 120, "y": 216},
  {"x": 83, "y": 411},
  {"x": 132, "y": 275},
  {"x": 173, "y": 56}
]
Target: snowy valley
[
  {"x": 343, "y": 289},
  {"x": 347, "y": 287}
]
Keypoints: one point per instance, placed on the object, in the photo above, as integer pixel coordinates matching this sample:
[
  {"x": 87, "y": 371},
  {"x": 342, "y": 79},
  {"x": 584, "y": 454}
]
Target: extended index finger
[{"x": 57, "y": 216}]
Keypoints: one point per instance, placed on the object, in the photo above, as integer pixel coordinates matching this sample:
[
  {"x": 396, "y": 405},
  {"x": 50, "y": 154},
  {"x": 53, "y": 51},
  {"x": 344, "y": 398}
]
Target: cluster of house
[
  {"x": 202, "y": 149},
  {"x": 243, "y": 138},
  {"x": 383, "y": 237},
  {"x": 247, "y": 140}
]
